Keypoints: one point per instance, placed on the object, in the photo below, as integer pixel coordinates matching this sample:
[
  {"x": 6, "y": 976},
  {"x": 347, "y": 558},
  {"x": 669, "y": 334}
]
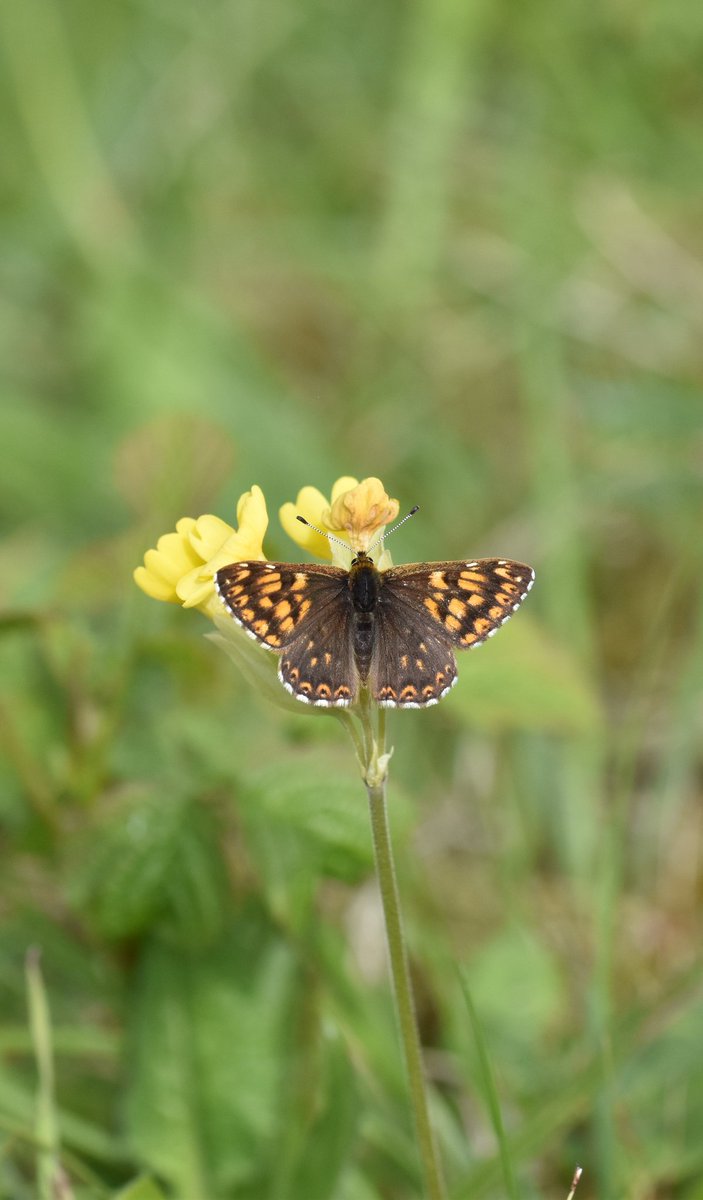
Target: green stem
[
  {"x": 46, "y": 1129},
  {"x": 400, "y": 973}
]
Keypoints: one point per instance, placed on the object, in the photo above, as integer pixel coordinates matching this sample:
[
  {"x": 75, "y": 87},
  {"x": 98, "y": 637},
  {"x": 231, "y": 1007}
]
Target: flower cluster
[{"x": 181, "y": 569}]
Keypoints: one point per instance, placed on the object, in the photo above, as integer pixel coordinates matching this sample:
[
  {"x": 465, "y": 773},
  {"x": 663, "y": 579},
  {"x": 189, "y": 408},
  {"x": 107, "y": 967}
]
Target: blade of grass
[
  {"x": 488, "y": 1087},
  {"x": 424, "y": 127},
  {"x": 51, "y": 1181}
]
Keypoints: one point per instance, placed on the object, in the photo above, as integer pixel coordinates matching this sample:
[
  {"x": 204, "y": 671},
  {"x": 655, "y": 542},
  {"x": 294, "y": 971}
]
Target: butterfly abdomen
[{"x": 364, "y": 586}]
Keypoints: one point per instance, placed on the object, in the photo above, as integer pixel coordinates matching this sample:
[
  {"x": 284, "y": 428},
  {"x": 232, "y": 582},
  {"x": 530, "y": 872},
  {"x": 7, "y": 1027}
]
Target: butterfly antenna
[
  {"x": 323, "y": 532},
  {"x": 394, "y": 527}
]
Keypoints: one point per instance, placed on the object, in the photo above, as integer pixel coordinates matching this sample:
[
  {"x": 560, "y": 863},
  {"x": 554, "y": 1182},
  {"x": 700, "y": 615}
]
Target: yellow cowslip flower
[
  {"x": 181, "y": 569},
  {"x": 357, "y": 513}
]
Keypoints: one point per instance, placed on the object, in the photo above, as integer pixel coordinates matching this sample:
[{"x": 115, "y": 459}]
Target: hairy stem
[{"x": 400, "y": 973}]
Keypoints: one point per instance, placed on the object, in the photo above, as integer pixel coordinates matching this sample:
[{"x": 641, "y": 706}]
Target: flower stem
[{"x": 400, "y": 973}]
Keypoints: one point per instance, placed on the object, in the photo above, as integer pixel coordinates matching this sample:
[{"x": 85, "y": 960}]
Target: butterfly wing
[
  {"x": 302, "y": 612},
  {"x": 412, "y": 666},
  {"x": 319, "y": 667},
  {"x": 277, "y": 602},
  {"x": 426, "y": 609}
]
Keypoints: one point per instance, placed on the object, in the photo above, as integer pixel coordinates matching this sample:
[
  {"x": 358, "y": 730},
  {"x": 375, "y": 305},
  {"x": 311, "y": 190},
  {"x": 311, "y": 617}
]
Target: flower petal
[
  {"x": 363, "y": 512},
  {"x": 182, "y": 567},
  {"x": 345, "y": 484},
  {"x": 311, "y": 504},
  {"x": 157, "y": 588}
]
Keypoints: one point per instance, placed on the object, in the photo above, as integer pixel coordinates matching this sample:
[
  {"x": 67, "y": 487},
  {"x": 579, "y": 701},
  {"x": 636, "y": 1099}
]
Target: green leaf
[
  {"x": 208, "y": 1035},
  {"x": 325, "y": 811},
  {"x": 156, "y": 860},
  {"x": 488, "y": 1087},
  {"x": 524, "y": 680},
  {"x": 515, "y": 973},
  {"x": 329, "y": 1144},
  {"x": 143, "y": 1188}
]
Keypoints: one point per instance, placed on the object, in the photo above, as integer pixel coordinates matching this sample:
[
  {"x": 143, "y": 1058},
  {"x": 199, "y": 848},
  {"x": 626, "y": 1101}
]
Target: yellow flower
[
  {"x": 182, "y": 567},
  {"x": 356, "y": 512}
]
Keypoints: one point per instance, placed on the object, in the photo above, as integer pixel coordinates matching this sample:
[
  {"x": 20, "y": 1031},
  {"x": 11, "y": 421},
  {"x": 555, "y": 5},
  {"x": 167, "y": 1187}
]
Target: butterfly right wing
[
  {"x": 427, "y": 609},
  {"x": 302, "y": 612},
  {"x": 413, "y": 665}
]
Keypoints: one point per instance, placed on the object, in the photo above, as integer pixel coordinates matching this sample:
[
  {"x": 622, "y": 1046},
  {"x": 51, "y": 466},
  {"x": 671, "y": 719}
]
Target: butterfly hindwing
[
  {"x": 412, "y": 666},
  {"x": 319, "y": 667}
]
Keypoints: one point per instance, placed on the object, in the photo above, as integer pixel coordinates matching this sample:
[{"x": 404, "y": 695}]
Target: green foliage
[
  {"x": 155, "y": 863},
  {"x": 143, "y": 1188},
  {"x": 206, "y": 1050},
  {"x": 456, "y": 246}
]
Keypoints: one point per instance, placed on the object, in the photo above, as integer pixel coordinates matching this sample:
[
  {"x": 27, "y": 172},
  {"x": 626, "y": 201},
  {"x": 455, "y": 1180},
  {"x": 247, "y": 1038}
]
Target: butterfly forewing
[
  {"x": 277, "y": 602},
  {"x": 465, "y": 602}
]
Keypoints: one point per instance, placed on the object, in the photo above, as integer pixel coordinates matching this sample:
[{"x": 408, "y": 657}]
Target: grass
[{"x": 455, "y": 246}]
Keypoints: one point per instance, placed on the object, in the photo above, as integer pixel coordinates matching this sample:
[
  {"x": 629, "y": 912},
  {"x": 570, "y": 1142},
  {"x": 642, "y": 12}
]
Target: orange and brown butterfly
[{"x": 393, "y": 632}]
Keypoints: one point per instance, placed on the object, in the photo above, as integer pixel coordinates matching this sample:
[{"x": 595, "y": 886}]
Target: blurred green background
[{"x": 450, "y": 243}]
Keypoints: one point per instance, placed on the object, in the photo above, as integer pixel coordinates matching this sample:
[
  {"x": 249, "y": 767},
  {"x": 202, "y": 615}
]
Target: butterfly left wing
[
  {"x": 277, "y": 602},
  {"x": 302, "y": 612},
  {"x": 319, "y": 668},
  {"x": 427, "y": 609}
]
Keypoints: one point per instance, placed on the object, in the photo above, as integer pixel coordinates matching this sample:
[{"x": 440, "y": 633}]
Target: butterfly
[{"x": 392, "y": 632}]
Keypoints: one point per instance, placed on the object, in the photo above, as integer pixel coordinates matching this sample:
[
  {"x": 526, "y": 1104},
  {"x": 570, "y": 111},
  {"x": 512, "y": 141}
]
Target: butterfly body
[
  {"x": 364, "y": 590},
  {"x": 392, "y": 632}
]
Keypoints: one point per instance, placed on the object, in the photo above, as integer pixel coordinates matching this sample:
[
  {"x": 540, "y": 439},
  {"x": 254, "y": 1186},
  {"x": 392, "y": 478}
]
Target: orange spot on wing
[
  {"x": 457, "y": 607},
  {"x": 432, "y": 607}
]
